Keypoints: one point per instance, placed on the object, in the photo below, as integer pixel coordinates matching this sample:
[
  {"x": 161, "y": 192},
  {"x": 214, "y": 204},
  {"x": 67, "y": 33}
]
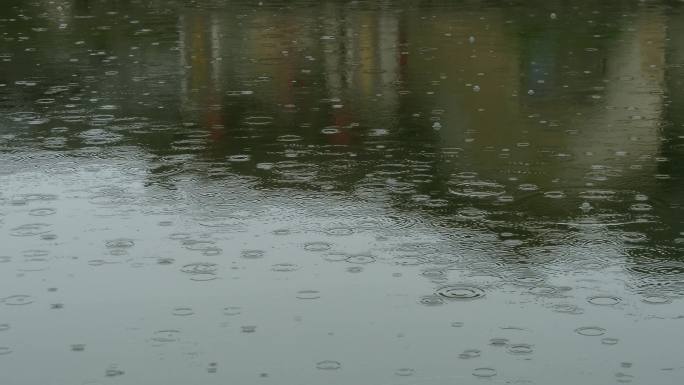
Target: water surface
[{"x": 376, "y": 192}]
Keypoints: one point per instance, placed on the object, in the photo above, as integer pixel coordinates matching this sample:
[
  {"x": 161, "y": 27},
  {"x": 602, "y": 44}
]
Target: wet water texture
[{"x": 341, "y": 192}]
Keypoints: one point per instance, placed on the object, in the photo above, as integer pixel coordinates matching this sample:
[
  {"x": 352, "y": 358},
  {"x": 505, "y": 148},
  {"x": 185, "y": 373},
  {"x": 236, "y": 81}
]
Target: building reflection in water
[{"x": 429, "y": 110}]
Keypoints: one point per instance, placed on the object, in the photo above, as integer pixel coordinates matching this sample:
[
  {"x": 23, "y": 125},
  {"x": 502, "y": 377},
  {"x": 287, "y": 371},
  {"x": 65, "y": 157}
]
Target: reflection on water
[{"x": 336, "y": 192}]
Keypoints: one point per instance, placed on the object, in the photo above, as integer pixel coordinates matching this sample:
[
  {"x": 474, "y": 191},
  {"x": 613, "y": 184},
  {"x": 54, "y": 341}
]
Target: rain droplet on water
[
  {"x": 317, "y": 246},
  {"x": 654, "y": 299},
  {"x": 232, "y": 310},
  {"x": 114, "y": 371},
  {"x": 183, "y": 311},
  {"x": 520, "y": 349},
  {"x": 469, "y": 353},
  {"x": 462, "y": 292},
  {"x": 308, "y": 294},
  {"x": 404, "y": 372},
  {"x": 18, "y": 300},
  {"x": 252, "y": 254},
  {"x": 284, "y": 267},
  {"x": 484, "y": 372},
  {"x": 431, "y": 300},
  {"x": 328, "y": 365},
  {"x": 166, "y": 336},
  {"x": 604, "y": 300},
  {"x": 591, "y": 331},
  {"x": 77, "y": 347},
  {"x": 360, "y": 259}
]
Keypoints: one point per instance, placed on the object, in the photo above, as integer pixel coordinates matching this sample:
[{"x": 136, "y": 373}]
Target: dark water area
[{"x": 341, "y": 192}]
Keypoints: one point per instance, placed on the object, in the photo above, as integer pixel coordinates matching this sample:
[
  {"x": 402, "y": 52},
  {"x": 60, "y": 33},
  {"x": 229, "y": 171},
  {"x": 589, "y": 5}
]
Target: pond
[{"x": 341, "y": 192}]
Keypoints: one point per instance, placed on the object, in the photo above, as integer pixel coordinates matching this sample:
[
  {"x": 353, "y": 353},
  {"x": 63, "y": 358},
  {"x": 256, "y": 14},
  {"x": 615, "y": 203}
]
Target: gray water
[{"x": 333, "y": 192}]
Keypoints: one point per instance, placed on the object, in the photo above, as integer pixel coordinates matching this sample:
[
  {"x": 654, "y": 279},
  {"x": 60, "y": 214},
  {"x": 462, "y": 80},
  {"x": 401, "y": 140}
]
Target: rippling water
[{"x": 339, "y": 192}]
